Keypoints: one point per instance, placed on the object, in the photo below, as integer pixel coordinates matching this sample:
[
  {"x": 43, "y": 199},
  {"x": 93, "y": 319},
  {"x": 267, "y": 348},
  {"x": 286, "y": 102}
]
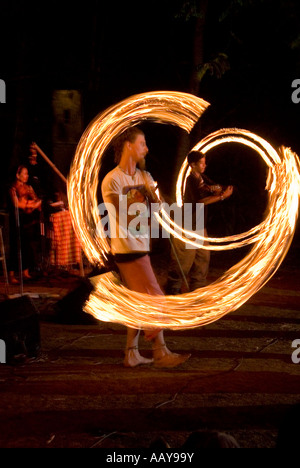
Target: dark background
[{"x": 109, "y": 51}]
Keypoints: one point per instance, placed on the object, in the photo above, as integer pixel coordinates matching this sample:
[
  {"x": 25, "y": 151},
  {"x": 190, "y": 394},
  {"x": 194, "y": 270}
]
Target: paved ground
[{"x": 240, "y": 378}]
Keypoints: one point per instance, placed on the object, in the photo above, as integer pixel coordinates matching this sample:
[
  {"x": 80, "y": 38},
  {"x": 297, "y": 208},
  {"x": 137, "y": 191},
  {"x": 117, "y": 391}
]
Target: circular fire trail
[{"x": 110, "y": 300}]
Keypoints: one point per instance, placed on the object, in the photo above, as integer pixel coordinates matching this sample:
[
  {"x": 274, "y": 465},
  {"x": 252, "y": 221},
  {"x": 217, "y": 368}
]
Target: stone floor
[{"x": 240, "y": 378}]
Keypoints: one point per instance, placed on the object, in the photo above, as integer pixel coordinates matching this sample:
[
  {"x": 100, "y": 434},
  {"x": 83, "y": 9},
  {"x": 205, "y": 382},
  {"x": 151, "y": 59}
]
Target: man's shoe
[{"x": 171, "y": 360}]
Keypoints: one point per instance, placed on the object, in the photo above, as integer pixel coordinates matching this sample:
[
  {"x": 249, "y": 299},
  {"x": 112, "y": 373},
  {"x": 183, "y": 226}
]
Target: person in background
[
  {"x": 193, "y": 263},
  {"x": 24, "y": 225}
]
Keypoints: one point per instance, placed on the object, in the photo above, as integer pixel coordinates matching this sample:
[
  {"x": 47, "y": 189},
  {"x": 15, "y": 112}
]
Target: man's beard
[{"x": 142, "y": 164}]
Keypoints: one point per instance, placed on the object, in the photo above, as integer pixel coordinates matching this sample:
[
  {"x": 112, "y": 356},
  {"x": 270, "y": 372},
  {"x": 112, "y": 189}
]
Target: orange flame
[{"x": 110, "y": 300}]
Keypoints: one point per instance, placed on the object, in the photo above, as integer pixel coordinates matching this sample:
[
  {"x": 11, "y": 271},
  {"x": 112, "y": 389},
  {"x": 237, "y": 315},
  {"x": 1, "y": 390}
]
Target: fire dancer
[{"x": 130, "y": 247}]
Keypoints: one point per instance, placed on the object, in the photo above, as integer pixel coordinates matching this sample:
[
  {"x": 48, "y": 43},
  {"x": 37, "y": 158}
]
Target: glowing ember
[{"x": 111, "y": 301}]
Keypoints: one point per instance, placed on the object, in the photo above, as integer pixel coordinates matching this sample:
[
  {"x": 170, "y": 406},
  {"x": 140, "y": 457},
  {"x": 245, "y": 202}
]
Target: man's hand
[{"x": 227, "y": 192}]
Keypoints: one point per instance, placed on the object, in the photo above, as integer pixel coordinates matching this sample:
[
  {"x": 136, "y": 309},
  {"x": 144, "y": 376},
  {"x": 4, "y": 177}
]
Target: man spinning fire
[{"x": 130, "y": 247}]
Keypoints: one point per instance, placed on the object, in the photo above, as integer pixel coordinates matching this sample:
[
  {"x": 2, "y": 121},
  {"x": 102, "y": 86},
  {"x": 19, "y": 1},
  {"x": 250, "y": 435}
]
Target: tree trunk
[{"x": 184, "y": 143}]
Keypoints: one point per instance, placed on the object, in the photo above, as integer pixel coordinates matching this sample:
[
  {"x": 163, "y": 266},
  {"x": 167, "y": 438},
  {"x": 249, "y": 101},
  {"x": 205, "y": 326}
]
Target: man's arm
[{"x": 217, "y": 197}]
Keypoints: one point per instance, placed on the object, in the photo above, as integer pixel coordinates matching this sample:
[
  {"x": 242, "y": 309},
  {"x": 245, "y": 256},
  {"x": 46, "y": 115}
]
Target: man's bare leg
[{"x": 132, "y": 355}]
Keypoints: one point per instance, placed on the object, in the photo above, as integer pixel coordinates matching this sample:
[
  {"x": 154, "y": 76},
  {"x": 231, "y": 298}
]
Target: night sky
[{"x": 112, "y": 50}]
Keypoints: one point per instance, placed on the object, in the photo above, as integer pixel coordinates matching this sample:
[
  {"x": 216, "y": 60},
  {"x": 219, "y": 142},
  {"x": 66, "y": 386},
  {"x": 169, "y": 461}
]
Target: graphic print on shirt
[{"x": 137, "y": 209}]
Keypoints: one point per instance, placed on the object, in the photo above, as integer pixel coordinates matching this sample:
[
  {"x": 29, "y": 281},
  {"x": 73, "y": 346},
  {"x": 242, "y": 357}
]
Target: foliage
[
  {"x": 191, "y": 9},
  {"x": 217, "y": 67}
]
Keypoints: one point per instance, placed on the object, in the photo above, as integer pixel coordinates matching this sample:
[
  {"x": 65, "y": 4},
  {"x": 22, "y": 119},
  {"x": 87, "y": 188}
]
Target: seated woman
[{"x": 24, "y": 216}]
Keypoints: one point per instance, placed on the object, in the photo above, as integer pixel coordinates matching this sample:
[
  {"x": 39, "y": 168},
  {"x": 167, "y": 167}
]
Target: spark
[{"x": 270, "y": 240}]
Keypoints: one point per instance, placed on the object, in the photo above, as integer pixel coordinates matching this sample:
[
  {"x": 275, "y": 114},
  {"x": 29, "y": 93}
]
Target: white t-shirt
[{"x": 128, "y": 235}]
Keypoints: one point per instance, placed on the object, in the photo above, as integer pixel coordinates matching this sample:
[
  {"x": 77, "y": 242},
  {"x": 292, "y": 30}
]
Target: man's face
[
  {"x": 200, "y": 166},
  {"x": 139, "y": 148}
]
